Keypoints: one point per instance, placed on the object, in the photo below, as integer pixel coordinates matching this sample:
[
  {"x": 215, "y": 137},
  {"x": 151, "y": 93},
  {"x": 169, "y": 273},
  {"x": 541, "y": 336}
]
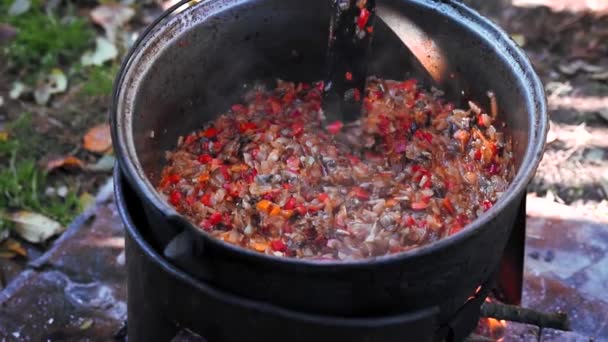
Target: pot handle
[{"x": 186, "y": 250}]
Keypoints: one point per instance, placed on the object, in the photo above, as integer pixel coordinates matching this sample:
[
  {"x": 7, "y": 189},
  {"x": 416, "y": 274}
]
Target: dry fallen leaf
[
  {"x": 111, "y": 18},
  {"x": 105, "y": 51},
  {"x": 104, "y": 164},
  {"x": 19, "y": 7},
  {"x": 12, "y": 245},
  {"x": 54, "y": 83},
  {"x": 86, "y": 324},
  {"x": 64, "y": 162},
  {"x": 98, "y": 139},
  {"x": 520, "y": 39},
  {"x": 35, "y": 228}
]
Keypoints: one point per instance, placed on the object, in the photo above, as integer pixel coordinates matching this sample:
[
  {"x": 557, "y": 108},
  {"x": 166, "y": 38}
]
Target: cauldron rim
[{"x": 536, "y": 103}]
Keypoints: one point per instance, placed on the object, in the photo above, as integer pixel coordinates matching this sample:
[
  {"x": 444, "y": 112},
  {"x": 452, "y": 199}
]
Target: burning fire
[{"x": 492, "y": 328}]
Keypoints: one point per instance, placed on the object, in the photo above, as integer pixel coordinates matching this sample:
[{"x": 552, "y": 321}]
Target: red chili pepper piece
[
  {"x": 419, "y": 205},
  {"x": 247, "y": 126},
  {"x": 275, "y": 106},
  {"x": 297, "y": 128},
  {"x": 278, "y": 246},
  {"x": 486, "y": 205},
  {"x": 301, "y": 209},
  {"x": 322, "y": 197},
  {"x": 206, "y": 199},
  {"x": 290, "y": 204},
  {"x": 335, "y": 127},
  {"x": 478, "y": 155},
  {"x": 456, "y": 227},
  {"x": 240, "y": 109},
  {"x": 363, "y": 18},
  {"x": 360, "y": 193},
  {"x": 174, "y": 178},
  {"x": 286, "y": 186},
  {"x": 175, "y": 198},
  {"x": 288, "y": 98},
  {"x": 205, "y": 158},
  {"x": 215, "y": 218},
  {"x": 354, "y": 160},
  {"x": 210, "y": 132},
  {"x": 448, "y": 205},
  {"x": 420, "y": 134},
  {"x": 225, "y": 172},
  {"x": 357, "y": 95},
  {"x": 348, "y": 76},
  {"x": 190, "y": 139},
  {"x": 408, "y": 85},
  {"x": 409, "y": 220}
]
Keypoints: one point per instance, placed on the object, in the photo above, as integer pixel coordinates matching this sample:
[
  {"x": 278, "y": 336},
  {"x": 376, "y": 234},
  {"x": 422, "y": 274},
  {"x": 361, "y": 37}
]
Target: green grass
[
  {"x": 44, "y": 40},
  {"x": 100, "y": 80},
  {"x": 22, "y": 184}
]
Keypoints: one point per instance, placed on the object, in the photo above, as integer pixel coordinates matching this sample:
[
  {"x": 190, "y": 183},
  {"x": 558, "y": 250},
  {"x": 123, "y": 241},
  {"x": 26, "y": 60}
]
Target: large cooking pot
[{"x": 191, "y": 66}]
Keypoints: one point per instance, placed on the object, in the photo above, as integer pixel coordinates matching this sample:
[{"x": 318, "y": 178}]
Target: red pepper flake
[
  {"x": 288, "y": 98},
  {"x": 486, "y": 205},
  {"x": 227, "y": 220},
  {"x": 348, "y": 76},
  {"x": 422, "y": 135},
  {"x": 286, "y": 186},
  {"x": 255, "y": 152},
  {"x": 190, "y": 200},
  {"x": 478, "y": 155},
  {"x": 278, "y": 246},
  {"x": 320, "y": 86},
  {"x": 225, "y": 172},
  {"x": 360, "y": 193},
  {"x": 322, "y": 197},
  {"x": 297, "y": 128},
  {"x": 356, "y": 94},
  {"x": 175, "y": 198},
  {"x": 419, "y": 205},
  {"x": 427, "y": 184},
  {"x": 275, "y": 106},
  {"x": 206, "y": 199},
  {"x": 296, "y": 113},
  {"x": 205, "y": 158},
  {"x": 456, "y": 227},
  {"x": 269, "y": 196},
  {"x": 240, "y": 109},
  {"x": 363, "y": 18},
  {"x": 408, "y": 85},
  {"x": 210, "y": 132},
  {"x": 335, "y": 127},
  {"x": 190, "y": 139},
  {"x": 448, "y": 205},
  {"x": 247, "y": 126},
  {"x": 215, "y": 218},
  {"x": 354, "y": 160},
  {"x": 174, "y": 178},
  {"x": 370, "y": 29},
  {"x": 290, "y": 204},
  {"x": 249, "y": 175},
  {"x": 462, "y": 219},
  {"x": 301, "y": 209},
  {"x": 409, "y": 220}
]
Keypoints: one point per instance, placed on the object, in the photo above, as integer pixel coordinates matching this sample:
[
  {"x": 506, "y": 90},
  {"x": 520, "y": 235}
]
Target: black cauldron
[{"x": 190, "y": 66}]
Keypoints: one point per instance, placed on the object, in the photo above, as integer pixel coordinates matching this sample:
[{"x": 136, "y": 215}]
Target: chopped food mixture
[{"x": 273, "y": 176}]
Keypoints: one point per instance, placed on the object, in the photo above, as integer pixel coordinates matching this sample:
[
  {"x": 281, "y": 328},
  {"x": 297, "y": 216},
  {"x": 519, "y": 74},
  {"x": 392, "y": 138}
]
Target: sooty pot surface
[{"x": 194, "y": 65}]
